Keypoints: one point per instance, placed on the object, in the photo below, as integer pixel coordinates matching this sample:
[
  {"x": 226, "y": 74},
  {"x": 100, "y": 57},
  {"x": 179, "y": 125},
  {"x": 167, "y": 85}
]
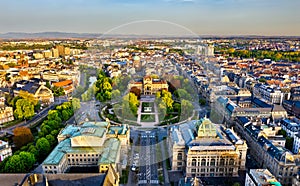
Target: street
[{"x": 148, "y": 170}]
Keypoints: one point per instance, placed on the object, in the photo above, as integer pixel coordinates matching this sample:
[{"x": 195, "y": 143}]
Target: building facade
[
  {"x": 282, "y": 163},
  {"x": 6, "y": 114},
  {"x": 5, "y": 150},
  {"x": 291, "y": 126},
  {"x": 212, "y": 151},
  {"x": 149, "y": 86},
  {"x": 296, "y": 144},
  {"x": 91, "y": 144},
  {"x": 260, "y": 177}
]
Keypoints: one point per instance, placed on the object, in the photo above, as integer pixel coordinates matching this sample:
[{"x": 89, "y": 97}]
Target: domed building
[{"x": 136, "y": 62}]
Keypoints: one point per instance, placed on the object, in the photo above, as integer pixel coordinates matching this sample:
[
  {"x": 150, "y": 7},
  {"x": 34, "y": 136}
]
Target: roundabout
[{"x": 147, "y": 106}]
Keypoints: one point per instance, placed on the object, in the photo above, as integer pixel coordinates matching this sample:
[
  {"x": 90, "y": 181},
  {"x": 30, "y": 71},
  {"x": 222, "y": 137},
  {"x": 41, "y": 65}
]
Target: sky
[{"x": 161, "y": 17}]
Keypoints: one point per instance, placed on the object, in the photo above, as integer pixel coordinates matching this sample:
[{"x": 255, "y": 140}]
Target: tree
[
  {"x": 3, "y": 163},
  {"x": 58, "y": 91},
  {"x": 136, "y": 91},
  {"x": 76, "y": 103},
  {"x": 29, "y": 97},
  {"x": 32, "y": 149},
  {"x": 51, "y": 140},
  {"x": 28, "y": 160},
  {"x": 177, "y": 107},
  {"x": 166, "y": 97},
  {"x": 115, "y": 94},
  {"x": 45, "y": 129},
  {"x": 158, "y": 94},
  {"x": 182, "y": 94},
  {"x": 54, "y": 115},
  {"x": 54, "y": 132},
  {"x": 48, "y": 85},
  {"x": 289, "y": 143},
  {"x": 14, "y": 165},
  {"x": 24, "y": 109},
  {"x": 43, "y": 146},
  {"x": 22, "y": 136},
  {"x": 188, "y": 108},
  {"x": 65, "y": 115},
  {"x": 262, "y": 80},
  {"x": 202, "y": 101},
  {"x": 282, "y": 132}
]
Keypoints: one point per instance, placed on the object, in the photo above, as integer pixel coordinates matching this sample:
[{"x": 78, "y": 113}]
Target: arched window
[
  {"x": 222, "y": 162},
  {"x": 212, "y": 162},
  {"x": 179, "y": 156},
  {"x": 231, "y": 161},
  {"x": 203, "y": 162},
  {"x": 194, "y": 162}
]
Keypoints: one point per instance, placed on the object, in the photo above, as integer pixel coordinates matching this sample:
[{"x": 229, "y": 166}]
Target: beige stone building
[
  {"x": 95, "y": 144},
  {"x": 203, "y": 149},
  {"x": 5, "y": 150},
  {"x": 268, "y": 153},
  {"x": 149, "y": 86},
  {"x": 6, "y": 114}
]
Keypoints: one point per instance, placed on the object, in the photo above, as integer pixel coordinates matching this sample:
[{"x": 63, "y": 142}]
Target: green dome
[{"x": 136, "y": 58}]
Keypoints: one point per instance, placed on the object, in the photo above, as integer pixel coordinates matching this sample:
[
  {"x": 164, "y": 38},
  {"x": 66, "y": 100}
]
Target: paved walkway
[{"x": 140, "y": 113}]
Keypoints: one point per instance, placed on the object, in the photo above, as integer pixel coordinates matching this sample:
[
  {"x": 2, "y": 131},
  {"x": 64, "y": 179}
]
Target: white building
[
  {"x": 5, "y": 150},
  {"x": 291, "y": 126},
  {"x": 260, "y": 177},
  {"x": 296, "y": 144}
]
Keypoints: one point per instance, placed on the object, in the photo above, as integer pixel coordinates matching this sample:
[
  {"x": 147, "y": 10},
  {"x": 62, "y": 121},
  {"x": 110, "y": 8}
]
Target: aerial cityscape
[{"x": 140, "y": 93}]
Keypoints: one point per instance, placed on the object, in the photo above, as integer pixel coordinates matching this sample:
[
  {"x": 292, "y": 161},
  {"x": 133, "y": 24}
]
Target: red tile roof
[{"x": 62, "y": 83}]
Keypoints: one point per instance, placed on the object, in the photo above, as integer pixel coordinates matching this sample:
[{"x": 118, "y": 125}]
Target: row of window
[
  {"x": 85, "y": 160},
  {"x": 212, "y": 162},
  {"x": 212, "y": 170},
  {"x": 82, "y": 155}
]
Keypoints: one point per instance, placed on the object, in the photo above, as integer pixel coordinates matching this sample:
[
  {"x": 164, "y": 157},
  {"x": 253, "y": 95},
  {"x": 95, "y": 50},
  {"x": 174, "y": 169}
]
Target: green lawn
[{"x": 147, "y": 118}]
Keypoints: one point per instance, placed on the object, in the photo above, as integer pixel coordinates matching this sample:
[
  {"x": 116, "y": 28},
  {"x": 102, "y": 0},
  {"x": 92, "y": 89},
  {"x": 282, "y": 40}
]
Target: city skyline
[{"x": 162, "y": 17}]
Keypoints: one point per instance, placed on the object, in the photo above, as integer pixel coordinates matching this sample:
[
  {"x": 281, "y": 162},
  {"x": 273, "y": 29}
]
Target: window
[
  {"x": 203, "y": 162},
  {"x": 179, "y": 156},
  {"x": 179, "y": 163},
  {"x": 194, "y": 162},
  {"x": 231, "y": 161},
  {"x": 193, "y": 170},
  {"x": 212, "y": 162},
  {"x": 222, "y": 162}
]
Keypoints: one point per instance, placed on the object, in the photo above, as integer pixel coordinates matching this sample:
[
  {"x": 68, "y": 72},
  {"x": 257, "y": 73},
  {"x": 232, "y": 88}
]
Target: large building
[
  {"x": 204, "y": 149},
  {"x": 36, "y": 88},
  {"x": 149, "y": 86},
  {"x": 95, "y": 144},
  {"x": 5, "y": 150},
  {"x": 296, "y": 144},
  {"x": 260, "y": 177},
  {"x": 267, "y": 152},
  {"x": 67, "y": 85},
  {"x": 291, "y": 126}
]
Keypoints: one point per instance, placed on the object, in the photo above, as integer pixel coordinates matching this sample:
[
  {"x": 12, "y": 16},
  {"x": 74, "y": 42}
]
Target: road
[
  {"x": 41, "y": 115},
  {"x": 165, "y": 169},
  {"x": 37, "y": 118},
  {"x": 148, "y": 170}
]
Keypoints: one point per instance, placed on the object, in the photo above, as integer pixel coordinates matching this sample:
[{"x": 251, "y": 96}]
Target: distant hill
[
  {"x": 66, "y": 35},
  {"x": 50, "y": 35}
]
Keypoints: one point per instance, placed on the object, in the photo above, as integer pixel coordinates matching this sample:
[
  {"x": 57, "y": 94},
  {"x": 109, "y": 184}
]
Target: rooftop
[{"x": 263, "y": 177}]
